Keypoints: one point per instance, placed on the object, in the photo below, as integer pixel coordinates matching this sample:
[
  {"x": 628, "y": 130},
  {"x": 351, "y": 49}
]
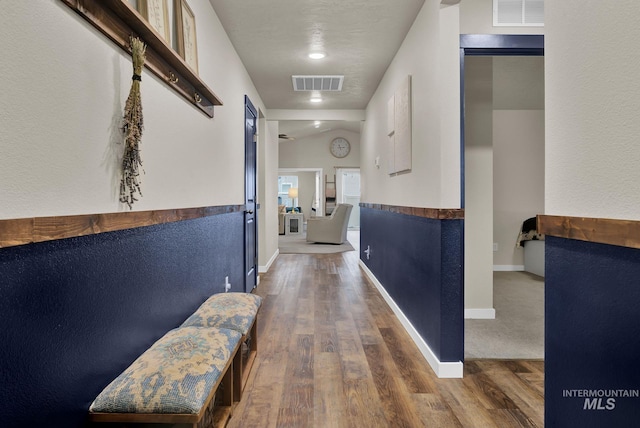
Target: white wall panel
[
  {"x": 429, "y": 55},
  {"x": 63, "y": 91},
  {"x": 592, "y": 109}
]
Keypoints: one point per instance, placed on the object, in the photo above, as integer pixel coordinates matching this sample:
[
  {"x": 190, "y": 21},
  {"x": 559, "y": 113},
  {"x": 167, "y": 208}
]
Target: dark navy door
[{"x": 250, "y": 217}]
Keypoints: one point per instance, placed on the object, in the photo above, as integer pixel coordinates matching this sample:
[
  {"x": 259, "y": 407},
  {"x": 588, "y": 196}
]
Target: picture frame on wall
[
  {"x": 186, "y": 33},
  {"x": 156, "y": 12}
]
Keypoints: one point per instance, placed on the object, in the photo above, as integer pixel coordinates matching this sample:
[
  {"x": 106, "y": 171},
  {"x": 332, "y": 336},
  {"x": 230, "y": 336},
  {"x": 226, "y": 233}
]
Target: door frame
[
  {"x": 488, "y": 45},
  {"x": 340, "y": 194}
]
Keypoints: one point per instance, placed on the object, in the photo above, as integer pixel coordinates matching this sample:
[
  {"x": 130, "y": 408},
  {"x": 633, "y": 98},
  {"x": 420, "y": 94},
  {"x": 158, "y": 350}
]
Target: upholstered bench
[
  {"x": 235, "y": 311},
  {"x": 175, "y": 381}
]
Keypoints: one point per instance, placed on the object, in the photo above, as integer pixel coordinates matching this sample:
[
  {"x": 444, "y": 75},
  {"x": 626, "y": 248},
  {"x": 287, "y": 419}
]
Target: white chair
[{"x": 332, "y": 229}]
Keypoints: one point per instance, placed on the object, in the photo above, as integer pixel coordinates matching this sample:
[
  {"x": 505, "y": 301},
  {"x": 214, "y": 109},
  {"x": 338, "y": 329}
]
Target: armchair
[{"x": 332, "y": 229}]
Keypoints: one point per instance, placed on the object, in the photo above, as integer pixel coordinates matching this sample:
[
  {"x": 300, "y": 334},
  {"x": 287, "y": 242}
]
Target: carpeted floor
[
  {"x": 297, "y": 244},
  {"x": 518, "y": 330}
]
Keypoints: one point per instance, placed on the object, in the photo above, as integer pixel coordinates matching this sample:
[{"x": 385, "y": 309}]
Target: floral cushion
[
  {"x": 235, "y": 311},
  {"x": 175, "y": 375}
]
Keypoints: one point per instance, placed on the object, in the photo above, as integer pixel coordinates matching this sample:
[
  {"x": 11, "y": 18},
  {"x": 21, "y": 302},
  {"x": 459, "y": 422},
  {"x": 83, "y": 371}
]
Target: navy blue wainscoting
[
  {"x": 419, "y": 262},
  {"x": 76, "y": 312},
  {"x": 592, "y": 334}
]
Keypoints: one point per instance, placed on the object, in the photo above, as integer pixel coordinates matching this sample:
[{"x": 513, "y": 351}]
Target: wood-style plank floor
[{"x": 331, "y": 353}]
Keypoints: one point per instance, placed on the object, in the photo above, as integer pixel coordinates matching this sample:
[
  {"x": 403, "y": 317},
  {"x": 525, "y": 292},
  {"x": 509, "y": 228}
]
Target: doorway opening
[
  {"x": 348, "y": 192},
  {"x": 502, "y": 168},
  {"x": 302, "y": 187}
]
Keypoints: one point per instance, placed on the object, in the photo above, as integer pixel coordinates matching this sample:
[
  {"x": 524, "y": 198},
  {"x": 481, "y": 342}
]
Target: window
[
  {"x": 286, "y": 182},
  {"x": 518, "y": 13}
]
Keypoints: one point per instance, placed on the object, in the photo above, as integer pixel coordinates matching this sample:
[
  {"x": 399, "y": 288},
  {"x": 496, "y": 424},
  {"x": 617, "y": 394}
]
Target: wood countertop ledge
[
  {"x": 39, "y": 229},
  {"x": 434, "y": 213},
  {"x": 624, "y": 233}
]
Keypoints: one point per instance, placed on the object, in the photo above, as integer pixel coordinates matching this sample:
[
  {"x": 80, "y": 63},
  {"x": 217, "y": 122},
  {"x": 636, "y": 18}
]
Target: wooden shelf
[{"x": 119, "y": 21}]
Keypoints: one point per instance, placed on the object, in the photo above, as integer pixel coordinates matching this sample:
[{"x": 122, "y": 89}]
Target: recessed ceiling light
[
  {"x": 317, "y": 55},
  {"x": 316, "y": 100}
]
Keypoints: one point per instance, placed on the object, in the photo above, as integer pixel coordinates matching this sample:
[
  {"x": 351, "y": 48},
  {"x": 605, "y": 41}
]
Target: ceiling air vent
[
  {"x": 317, "y": 83},
  {"x": 518, "y": 13}
]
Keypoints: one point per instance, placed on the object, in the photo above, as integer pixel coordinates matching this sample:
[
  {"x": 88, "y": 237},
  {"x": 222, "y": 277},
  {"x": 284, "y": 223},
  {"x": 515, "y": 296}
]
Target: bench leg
[
  {"x": 228, "y": 388},
  {"x": 237, "y": 376},
  {"x": 221, "y": 411},
  {"x": 242, "y": 368},
  {"x": 253, "y": 352},
  {"x": 254, "y": 336}
]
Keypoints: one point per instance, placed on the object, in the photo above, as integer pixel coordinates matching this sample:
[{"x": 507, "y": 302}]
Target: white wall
[
  {"x": 313, "y": 152},
  {"x": 63, "y": 91},
  {"x": 478, "y": 154},
  {"x": 267, "y": 193},
  {"x": 518, "y": 152},
  {"x": 518, "y": 83},
  {"x": 476, "y": 17},
  {"x": 518, "y": 178},
  {"x": 429, "y": 54},
  {"x": 592, "y": 106},
  {"x": 306, "y": 191},
  {"x": 449, "y": 109}
]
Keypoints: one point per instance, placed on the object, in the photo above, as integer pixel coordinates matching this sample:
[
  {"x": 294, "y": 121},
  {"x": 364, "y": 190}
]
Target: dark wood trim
[
  {"x": 118, "y": 20},
  {"x": 502, "y": 44},
  {"x": 435, "y": 213},
  {"x": 624, "y": 233},
  {"x": 39, "y": 229}
]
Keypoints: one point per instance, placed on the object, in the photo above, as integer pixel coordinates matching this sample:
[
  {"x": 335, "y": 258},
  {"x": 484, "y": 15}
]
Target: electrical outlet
[
  {"x": 495, "y": 247},
  {"x": 227, "y": 284}
]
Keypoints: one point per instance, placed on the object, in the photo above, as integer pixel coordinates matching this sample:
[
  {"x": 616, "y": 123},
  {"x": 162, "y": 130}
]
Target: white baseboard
[
  {"x": 480, "y": 314},
  {"x": 441, "y": 369},
  {"x": 265, "y": 269},
  {"x": 508, "y": 268}
]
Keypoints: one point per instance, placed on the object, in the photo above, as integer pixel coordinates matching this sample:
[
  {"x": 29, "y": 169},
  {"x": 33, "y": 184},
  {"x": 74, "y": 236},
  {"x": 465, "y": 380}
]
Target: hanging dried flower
[{"x": 132, "y": 130}]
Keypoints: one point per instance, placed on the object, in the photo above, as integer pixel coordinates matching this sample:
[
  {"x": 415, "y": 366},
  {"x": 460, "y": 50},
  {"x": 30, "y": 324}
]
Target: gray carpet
[
  {"x": 297, "y": 244},
  {"x": 518, "y": 330}
]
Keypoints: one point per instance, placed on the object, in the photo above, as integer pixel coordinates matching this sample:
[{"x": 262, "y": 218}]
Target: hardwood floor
[{"x": 332, "y": 354}]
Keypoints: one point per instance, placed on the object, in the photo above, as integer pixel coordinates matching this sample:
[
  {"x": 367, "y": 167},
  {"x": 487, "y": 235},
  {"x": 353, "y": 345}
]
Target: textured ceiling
[{"x": 273, "y": 39}]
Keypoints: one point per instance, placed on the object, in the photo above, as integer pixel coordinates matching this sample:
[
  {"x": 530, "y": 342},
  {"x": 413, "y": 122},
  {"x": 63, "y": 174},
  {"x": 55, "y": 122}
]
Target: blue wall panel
[
  {"x": 419, "y": 263},
  {"x": 592, "y": 333},
  {"x": 76, "y": 312}
]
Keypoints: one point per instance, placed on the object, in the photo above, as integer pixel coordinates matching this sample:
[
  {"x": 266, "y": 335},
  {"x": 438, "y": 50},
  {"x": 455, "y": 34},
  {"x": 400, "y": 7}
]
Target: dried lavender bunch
[{"x": 132, "y": 130}]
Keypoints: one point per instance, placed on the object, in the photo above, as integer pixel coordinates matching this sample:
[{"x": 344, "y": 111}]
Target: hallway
[{"x": 332, "y": 354}]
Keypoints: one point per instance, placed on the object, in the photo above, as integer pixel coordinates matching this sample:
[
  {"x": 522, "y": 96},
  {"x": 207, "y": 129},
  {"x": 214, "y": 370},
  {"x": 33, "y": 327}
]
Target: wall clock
[{"x": 340, "y": 147}]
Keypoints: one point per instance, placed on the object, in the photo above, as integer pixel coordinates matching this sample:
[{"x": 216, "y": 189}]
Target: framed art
[
  {"x": 186, "y": 33},
  {"x": 399, "y": 128},
  {"x": 156, "y": 12}
]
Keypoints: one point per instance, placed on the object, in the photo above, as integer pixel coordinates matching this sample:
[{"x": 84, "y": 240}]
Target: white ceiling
[{"x": 274, "y": 37}]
